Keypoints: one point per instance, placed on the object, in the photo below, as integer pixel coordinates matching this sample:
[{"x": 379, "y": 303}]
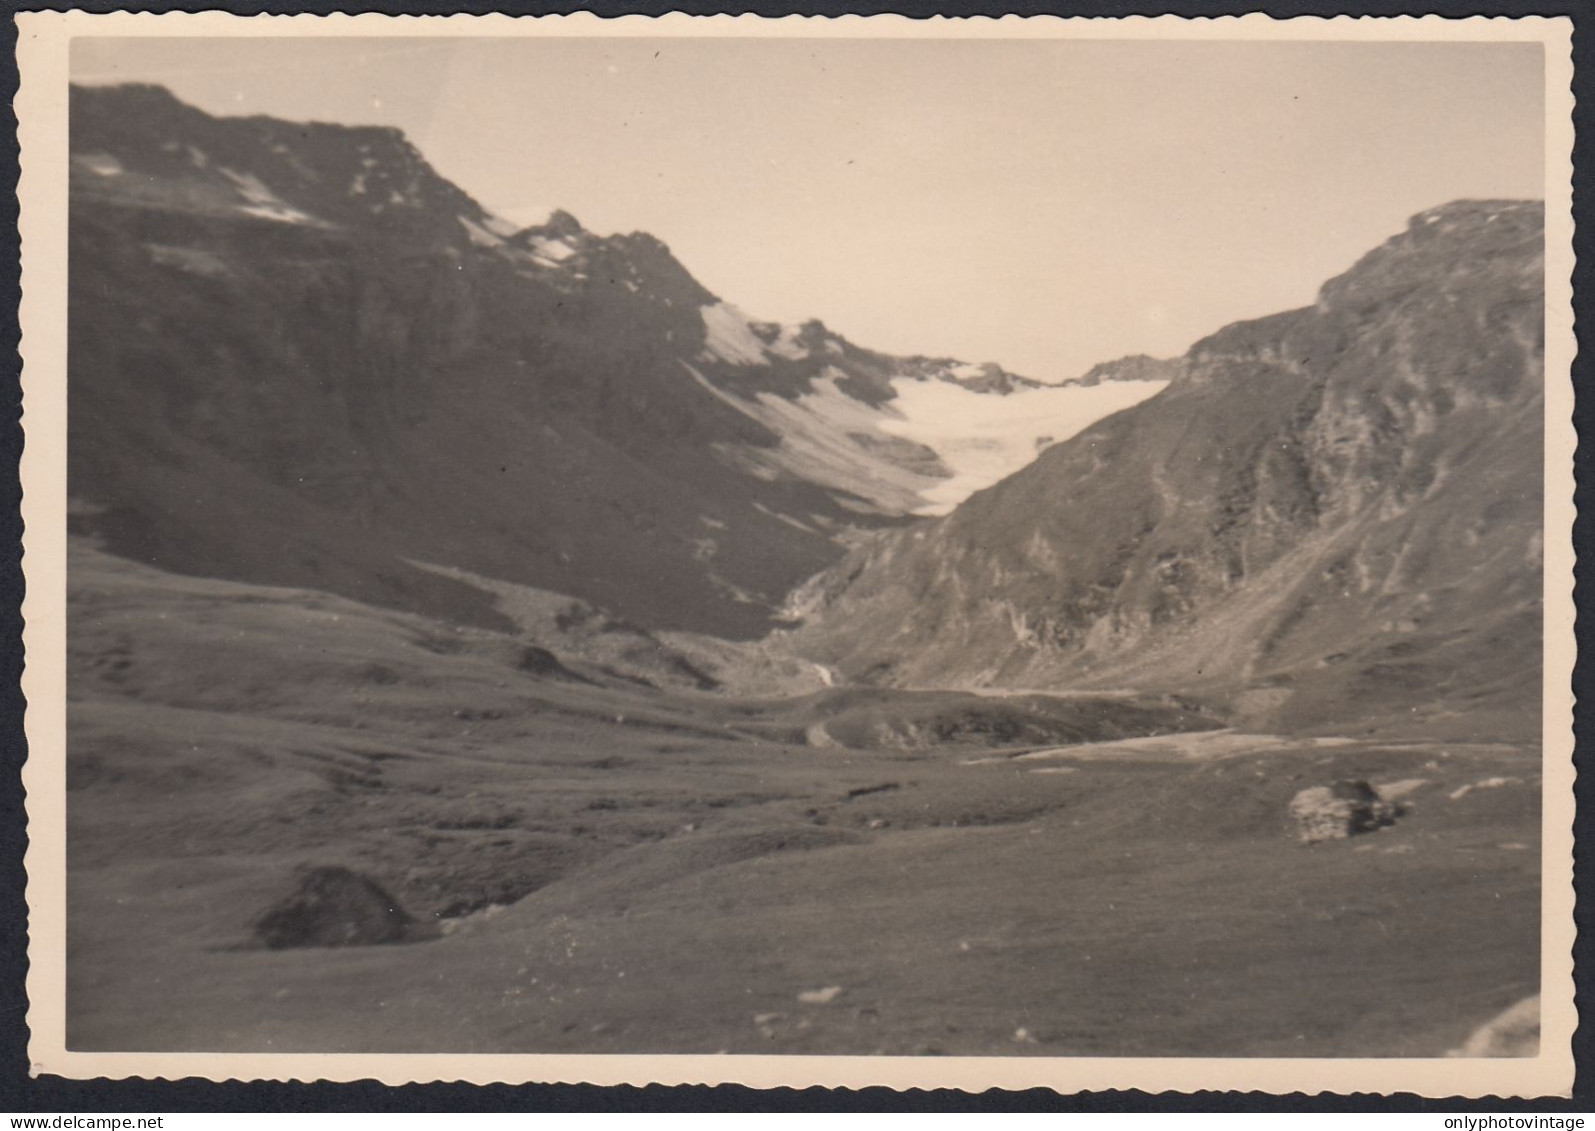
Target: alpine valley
[{"x": 483, "y": 638}]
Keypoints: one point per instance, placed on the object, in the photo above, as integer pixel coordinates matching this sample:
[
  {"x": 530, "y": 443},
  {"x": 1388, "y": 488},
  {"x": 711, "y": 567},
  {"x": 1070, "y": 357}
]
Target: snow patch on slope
[
  {"x": 480, "y": 236},
  {"x": 728, "y": 337},
  {"x": 264, "y": 203},
  {"x": 499, "y": 226},
  {"x": 100, "y": 164},
  {"x": 820, "y": 443},
  {"x": 519, "y": 217},
  {"x": 555, "y": 251}
]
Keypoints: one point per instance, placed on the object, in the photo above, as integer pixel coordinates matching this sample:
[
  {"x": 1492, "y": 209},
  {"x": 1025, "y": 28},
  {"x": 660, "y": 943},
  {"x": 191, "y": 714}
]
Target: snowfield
[
  {"x": 819, "y": 444},
  {"x": 878, "y": 453},
  {"x": 555, "y": 251},
  {"x": 480, "y": 235},
  {"x": 728, "y": 337},
  {"x": 264, "y": 203},
  {"x": 925, "y": 451},
  {"x": 983, "y": 438}
]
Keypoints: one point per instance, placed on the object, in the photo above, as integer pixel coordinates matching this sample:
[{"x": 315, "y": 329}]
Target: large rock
[
  {"x": 1345, "y": 809},
  {"x": 334, "y": 906}
]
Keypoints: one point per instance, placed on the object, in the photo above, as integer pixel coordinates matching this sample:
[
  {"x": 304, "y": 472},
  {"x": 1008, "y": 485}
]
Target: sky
[{"x": 1045, "y": 204}]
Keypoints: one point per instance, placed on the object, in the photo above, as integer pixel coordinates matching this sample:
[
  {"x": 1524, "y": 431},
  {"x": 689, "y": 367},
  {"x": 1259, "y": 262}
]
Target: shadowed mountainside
[{"x": 299, "y": 356}]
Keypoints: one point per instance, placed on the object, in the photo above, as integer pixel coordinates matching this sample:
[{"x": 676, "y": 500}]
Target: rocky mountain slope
[
  {"x": 1333, "y": 514},
  {"x": 299, "y": 356},
  {"x": 1136, "y": 367}
]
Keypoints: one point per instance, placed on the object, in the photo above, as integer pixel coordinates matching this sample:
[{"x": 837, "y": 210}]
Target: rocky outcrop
[
  {"x": 1136, "y": 367},
  {"x": 334, "y": 906}
]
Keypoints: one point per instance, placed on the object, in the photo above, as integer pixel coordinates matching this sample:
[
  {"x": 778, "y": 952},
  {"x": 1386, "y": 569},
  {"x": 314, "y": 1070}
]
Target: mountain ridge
[
  {"x": 1325, "y": 511},
  {"x": 304, "y": 357}
]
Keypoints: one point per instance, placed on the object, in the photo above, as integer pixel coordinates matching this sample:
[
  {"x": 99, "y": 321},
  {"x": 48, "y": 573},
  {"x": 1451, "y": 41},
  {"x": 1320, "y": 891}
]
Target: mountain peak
[
  {"x": 1474, "y": 212},
  {"x": 254, "y": 168},
  {"x": 559, "y": 224},
  {"x": 1133, "y": 367},
  {"x": 1427, "y": 252},
  {"x": 143, "y": 93}
]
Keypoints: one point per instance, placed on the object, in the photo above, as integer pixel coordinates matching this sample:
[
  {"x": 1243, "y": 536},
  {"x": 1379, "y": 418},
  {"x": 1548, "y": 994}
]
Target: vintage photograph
[{"x": 690, "y": 540}]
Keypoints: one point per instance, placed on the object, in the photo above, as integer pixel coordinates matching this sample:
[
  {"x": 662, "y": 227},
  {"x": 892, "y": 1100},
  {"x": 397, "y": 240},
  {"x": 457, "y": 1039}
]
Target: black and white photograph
[{"x": 1029, "y": 543}]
